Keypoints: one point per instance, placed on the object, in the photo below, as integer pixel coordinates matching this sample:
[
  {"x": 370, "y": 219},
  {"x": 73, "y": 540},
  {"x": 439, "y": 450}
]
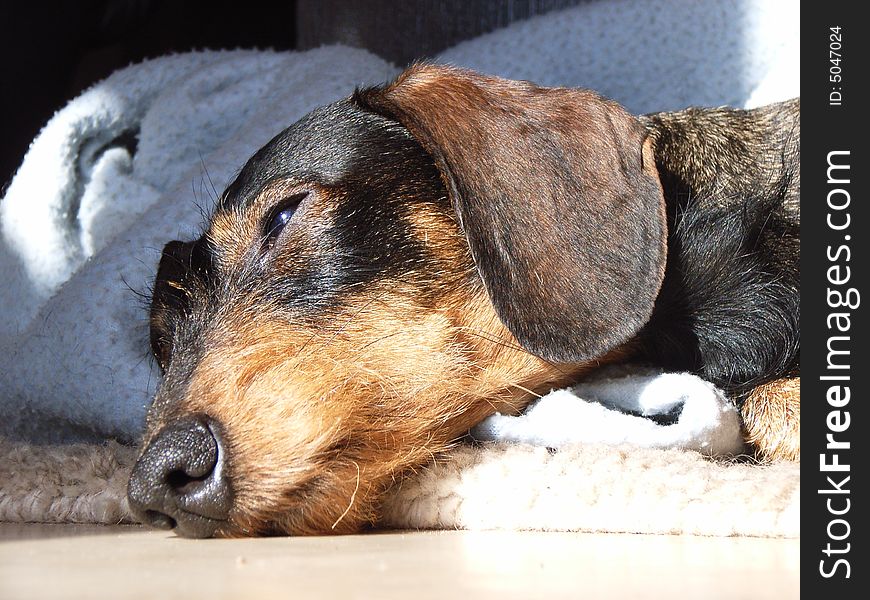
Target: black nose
[{"x": 180, "y": 480}]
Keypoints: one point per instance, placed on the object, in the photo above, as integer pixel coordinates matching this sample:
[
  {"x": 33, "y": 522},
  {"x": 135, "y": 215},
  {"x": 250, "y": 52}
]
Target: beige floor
[{"x": 62, "y": 561}]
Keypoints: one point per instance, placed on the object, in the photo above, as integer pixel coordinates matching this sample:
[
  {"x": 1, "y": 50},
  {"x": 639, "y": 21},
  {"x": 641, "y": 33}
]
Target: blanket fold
[{"x": 627, "y": 405}]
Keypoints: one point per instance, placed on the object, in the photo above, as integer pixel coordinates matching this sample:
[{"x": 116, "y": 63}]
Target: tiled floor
[{"x": 63, "y": 561}]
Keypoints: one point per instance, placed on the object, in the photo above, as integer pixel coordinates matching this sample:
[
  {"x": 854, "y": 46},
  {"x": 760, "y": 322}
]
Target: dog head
[{"x": 381, "y": 276}]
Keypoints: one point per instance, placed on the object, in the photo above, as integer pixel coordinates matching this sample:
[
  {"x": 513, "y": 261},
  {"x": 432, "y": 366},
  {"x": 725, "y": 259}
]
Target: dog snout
[{"x": 180, "y": 480}]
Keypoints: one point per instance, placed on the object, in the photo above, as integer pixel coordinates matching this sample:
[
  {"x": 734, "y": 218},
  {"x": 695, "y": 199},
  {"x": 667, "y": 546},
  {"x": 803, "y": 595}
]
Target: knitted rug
[{"x": 581, "y": 487}]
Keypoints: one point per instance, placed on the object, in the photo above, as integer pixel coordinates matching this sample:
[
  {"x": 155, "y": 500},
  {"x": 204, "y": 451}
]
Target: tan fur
[
  {"x": 315, "y": 419},
  {"x": 231, "y": 230},
  {"x": 318, "y": 422},
  {"x": 772, "y": 418}
]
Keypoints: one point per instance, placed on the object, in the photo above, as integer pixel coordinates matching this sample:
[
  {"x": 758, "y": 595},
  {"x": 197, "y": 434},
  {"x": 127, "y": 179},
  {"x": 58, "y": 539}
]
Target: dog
[{"x": 398, "y": 265}]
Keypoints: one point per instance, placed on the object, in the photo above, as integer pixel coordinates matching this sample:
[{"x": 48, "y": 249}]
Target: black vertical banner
[{"x": 835, "y": 227}]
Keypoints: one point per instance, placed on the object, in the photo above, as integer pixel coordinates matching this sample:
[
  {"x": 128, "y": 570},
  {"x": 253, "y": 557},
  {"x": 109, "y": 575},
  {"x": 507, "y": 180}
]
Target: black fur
[
  {"x": 727, "y": 310},
  {"x": 729, "y": 307}
]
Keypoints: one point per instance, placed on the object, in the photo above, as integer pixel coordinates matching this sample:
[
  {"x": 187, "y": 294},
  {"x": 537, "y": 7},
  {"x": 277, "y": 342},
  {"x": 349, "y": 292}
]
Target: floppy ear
[
  {"x": 557, "y": 193},
  {"x": 182, "y": 268}
]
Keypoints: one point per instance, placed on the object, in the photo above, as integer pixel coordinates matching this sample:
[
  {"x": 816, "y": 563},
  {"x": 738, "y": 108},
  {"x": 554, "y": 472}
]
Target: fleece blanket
[{"x": 134, "y": 162}]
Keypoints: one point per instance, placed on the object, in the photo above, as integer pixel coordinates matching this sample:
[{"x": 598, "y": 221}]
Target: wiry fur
[
  {"x": 727, "y": 310},
  {"x": 772, "y": 418},
  {"x": 385, "y": 386},
  {"x": 378, "y": 391}
]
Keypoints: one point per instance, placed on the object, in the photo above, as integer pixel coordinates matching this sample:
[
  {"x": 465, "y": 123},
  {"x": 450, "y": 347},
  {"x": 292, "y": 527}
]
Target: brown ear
[{"x": 557, "y": 194}]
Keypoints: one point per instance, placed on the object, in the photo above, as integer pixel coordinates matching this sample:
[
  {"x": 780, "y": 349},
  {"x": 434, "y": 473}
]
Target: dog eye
[{"x": 281, "y": 215}]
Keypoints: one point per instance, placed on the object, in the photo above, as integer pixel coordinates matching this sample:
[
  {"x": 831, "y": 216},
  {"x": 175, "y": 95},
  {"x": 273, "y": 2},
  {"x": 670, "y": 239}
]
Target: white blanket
[{"x": 130, "y": 164}]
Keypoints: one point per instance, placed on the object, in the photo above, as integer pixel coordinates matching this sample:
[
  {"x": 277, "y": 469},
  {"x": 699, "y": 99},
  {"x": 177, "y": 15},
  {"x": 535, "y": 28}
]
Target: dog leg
[{"x": 772, "y": 419}]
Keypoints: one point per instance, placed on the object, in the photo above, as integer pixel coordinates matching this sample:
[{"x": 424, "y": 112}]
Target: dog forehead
[{"x": 324, "y": 146}]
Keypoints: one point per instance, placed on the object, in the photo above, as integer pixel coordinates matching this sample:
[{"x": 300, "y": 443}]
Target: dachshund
[{"x": 396, "y": 266}]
